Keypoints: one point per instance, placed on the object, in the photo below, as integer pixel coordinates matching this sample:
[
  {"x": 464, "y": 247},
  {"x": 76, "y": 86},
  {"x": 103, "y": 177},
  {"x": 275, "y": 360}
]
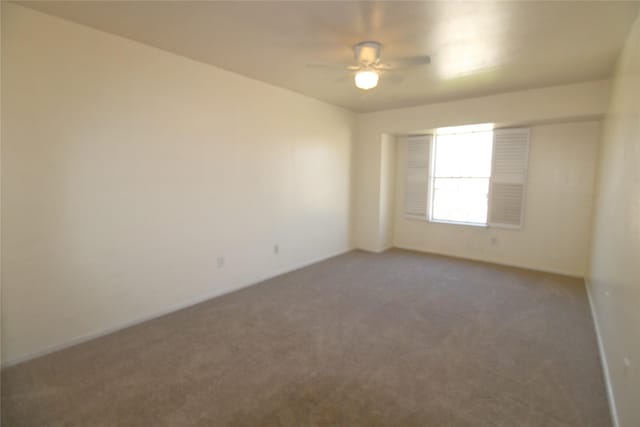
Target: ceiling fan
[{"x": 369, "y": 65}]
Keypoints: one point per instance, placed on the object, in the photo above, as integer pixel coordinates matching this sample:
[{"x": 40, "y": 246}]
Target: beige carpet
[{"x": 396, "y": 339}]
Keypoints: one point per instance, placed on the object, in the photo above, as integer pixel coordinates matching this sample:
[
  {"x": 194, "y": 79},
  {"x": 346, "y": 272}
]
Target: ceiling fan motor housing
[{"x": 367, "y": 53}]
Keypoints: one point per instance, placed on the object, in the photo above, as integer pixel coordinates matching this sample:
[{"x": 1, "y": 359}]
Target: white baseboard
[
  {"x": 493, "y": 261},
  {"x": 97, "y": 334},
  {"x": 603, "y": 358}
]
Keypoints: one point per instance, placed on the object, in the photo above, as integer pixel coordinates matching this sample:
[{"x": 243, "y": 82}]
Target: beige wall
[
  {"x": 555, "y": 234},
  {"x": 387, "y": 189},
  {"x": 583, "y": 101},
  {"x": 615, "y": 256},
  {"x": 127, "y": 171}
]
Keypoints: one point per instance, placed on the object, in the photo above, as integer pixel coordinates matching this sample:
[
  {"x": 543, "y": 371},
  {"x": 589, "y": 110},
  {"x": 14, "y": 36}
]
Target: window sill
[
  {"x": 468, "y": 224},
  {"x": 439, "y": 221}
]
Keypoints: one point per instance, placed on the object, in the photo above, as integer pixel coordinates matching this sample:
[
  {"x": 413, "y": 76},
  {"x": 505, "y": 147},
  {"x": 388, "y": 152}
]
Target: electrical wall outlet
[
  {"x": 276, "y": 249},
  {"x": 220, "y": 261},
  {"x": 494, "y": 241}
]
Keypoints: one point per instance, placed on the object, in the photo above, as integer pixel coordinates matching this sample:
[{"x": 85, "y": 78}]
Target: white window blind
[
  {"x": 508, "y": 177},
  {"x": 417, "y": 175}
]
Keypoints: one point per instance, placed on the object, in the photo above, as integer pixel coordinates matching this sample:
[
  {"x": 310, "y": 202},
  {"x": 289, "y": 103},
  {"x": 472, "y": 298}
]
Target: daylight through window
[{"x": 461, "y": 171}]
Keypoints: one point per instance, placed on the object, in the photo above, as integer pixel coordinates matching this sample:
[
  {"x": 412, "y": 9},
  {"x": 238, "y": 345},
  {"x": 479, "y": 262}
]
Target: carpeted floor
[{"x": 393, "y": 339}]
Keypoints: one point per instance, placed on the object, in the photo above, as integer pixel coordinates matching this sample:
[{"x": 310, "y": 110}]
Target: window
[
  {"x": 459, "y": 182},
  {"x": 468, "y": 175}
]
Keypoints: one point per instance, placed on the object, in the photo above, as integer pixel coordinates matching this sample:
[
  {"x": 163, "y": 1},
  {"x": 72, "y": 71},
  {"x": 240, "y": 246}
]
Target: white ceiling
[{"x": 477, "y": 48}]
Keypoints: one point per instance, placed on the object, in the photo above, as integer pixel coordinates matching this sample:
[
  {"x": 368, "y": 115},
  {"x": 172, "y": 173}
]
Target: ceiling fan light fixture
[{"x": 366, "y": 79}]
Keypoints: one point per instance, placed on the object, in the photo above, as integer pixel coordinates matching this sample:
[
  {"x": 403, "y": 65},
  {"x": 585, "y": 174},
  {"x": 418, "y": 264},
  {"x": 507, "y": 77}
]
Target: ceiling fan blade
[
  {"x": 333, "y": 67},
  {"x": 408, "y": 62}
]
